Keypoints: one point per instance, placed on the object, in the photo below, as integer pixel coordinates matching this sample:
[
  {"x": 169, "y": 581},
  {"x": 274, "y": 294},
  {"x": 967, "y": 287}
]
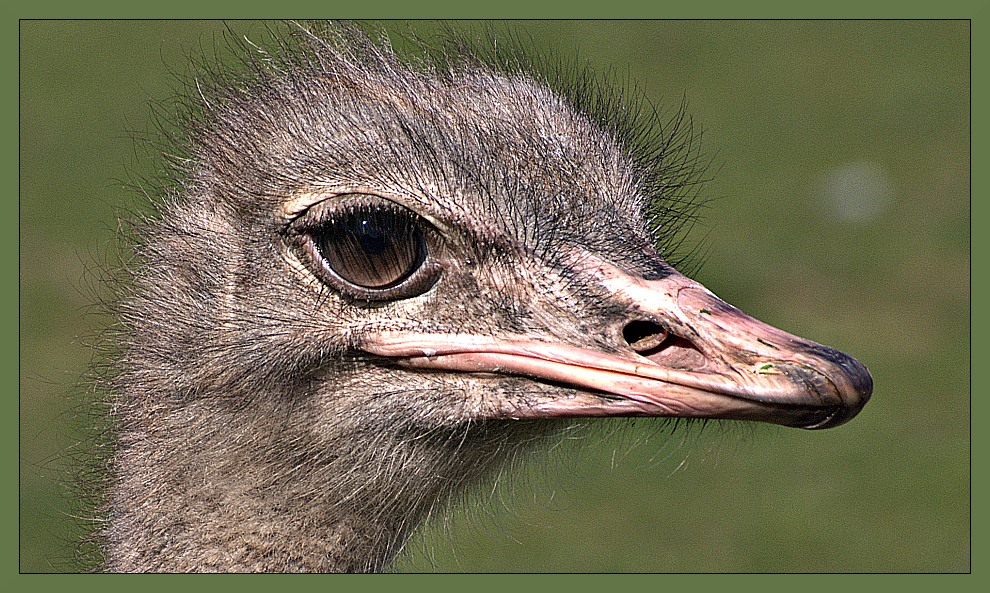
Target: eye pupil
[
  {"x": 372, "y": 247},
  {"x": 373, "y": 241}
]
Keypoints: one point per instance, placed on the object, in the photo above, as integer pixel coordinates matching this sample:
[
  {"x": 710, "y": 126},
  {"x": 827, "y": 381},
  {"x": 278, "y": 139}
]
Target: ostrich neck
[
  {"x": 210, "y": 486},
  {"x": 212, "y": 491}
]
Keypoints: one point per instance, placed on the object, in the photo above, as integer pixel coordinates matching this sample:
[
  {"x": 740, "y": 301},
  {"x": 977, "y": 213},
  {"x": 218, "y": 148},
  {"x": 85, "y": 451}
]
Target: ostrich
[{"x": 376, "y": 280}]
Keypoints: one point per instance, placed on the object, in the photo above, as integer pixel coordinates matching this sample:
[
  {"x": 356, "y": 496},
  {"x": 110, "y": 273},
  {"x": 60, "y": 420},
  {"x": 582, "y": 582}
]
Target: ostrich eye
[
  {"x": 368, "y": 248},
  {"x": 372, "y": 247}
]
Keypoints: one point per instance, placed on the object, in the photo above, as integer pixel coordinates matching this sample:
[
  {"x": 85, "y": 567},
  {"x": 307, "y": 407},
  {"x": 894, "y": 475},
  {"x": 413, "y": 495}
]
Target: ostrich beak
[{"x": 691, "y": 355}]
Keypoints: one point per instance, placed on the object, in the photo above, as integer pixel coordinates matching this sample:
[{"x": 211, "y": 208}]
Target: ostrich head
[{"x": 376, "y": 280}]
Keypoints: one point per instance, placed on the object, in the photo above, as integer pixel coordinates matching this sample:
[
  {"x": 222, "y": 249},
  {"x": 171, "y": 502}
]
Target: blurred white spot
[{"x": 856, "y": 192}]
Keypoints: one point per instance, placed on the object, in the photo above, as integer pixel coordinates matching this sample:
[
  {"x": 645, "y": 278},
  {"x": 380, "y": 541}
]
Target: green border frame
[{"x": 977, "y": 11}]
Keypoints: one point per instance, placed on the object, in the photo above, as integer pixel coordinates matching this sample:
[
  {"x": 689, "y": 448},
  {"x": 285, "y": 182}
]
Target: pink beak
[{"x": 699, "y": 358}]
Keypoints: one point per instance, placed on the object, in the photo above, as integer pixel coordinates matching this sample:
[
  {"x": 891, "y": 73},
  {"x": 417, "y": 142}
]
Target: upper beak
[{"x": 691, "y": 355}]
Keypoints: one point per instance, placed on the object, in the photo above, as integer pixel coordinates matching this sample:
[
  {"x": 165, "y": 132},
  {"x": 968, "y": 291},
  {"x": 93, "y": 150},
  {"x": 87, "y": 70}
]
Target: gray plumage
[{"x": 263, "y": 423}]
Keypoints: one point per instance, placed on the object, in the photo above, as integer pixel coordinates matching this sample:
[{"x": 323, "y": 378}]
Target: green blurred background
[{"x": 841, "y": 213}]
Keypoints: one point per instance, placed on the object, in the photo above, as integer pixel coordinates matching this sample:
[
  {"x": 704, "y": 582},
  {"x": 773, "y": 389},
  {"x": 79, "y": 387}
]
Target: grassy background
[{"x": 842, "y": 214}]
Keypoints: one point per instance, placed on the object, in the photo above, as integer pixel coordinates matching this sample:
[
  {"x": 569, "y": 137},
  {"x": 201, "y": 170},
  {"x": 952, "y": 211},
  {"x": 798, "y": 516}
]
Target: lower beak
[{"x": 689, "y": 355}]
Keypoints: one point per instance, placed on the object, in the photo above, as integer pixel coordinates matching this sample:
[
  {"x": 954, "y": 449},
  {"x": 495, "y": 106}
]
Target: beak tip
[
  {"x": 835, "y": 417},
  {"x": 855, "y": 387}
]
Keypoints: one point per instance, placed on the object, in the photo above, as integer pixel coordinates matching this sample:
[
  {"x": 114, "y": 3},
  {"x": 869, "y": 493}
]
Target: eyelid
[
  {"x": 299, "y": 207},
  {"x": 300, "y": 204}
]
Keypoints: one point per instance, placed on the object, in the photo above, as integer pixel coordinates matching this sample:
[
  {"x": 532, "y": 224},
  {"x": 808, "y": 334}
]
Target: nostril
[{"x": 644, "y": 335}]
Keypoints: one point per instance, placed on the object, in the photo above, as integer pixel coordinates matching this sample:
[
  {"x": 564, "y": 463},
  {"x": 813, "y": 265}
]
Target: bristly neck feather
[{"x": 215, "y": 486}]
